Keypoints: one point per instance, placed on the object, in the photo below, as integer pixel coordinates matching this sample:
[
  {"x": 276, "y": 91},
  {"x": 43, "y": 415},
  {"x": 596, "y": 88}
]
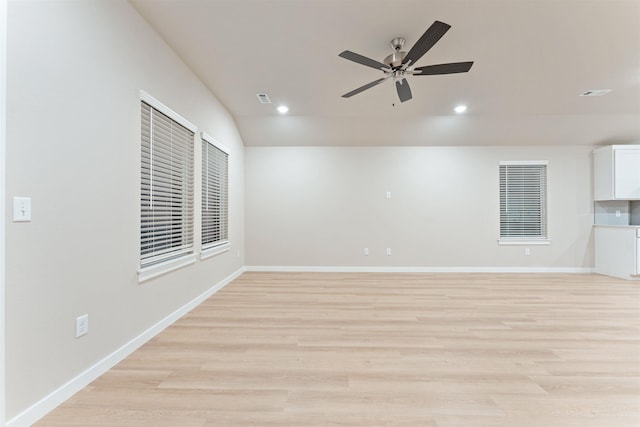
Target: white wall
[
  {"x": 75, "y": 69},
  {"x": 3, "y": 92},
  {"x": 311, "y": 207}
]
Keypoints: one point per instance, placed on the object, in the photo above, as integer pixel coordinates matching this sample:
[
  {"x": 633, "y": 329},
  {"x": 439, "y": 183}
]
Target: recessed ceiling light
[
  {"x": 460, "y": 109},
  {"x": 283, "y": 109}
]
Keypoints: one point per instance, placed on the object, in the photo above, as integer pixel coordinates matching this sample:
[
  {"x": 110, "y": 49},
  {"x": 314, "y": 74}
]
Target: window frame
[
  {"x": 162, "y": 264},
  {"x": 543, "y": 238},
  {"x": 217, "y": 247}
]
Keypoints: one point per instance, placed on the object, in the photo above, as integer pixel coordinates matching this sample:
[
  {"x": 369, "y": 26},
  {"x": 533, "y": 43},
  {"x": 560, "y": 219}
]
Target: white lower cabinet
[
  {"x": 638, "y": 251},
  {"x": 618, "y": 251}
]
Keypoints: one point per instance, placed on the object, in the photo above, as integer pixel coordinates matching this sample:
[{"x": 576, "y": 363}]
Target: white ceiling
[{"x": 532, "y": 60}]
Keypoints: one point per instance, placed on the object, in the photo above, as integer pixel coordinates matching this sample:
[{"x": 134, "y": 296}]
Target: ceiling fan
[{"x": 400, "y": 64}]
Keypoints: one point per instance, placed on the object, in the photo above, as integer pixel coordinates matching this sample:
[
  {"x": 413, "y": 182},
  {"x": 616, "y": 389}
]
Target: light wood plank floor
[{"x": 307, "y": 349}]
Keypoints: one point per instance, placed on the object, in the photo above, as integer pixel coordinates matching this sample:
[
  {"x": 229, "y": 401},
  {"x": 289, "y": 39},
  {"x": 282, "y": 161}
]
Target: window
[
  {"x": 523, "y": 202},
  {"x": 215, "y": 194},
  {"x": 166, "y": 198}
]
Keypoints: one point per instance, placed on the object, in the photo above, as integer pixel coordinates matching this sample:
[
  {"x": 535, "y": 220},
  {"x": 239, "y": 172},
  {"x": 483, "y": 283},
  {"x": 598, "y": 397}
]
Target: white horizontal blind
[
  {"x": 523, "y": 201},
  {"x": 215, "y": 196},
  {"x": 166, "y": 199}
]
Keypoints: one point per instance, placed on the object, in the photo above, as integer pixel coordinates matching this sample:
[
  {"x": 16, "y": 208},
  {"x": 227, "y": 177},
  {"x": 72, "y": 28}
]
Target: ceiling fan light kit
[{"x": 400, "y": 64}]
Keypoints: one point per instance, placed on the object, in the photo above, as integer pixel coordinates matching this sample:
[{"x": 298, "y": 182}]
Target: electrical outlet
[
  {"x": 618, "y": 213},
  {"x": 82, "y": 325},
  {"x": 527, "y": 251},
  {"x": 366, "y": 251},
  {"x": 388, "y": 251},
  {"x": 388, "y": 194}
]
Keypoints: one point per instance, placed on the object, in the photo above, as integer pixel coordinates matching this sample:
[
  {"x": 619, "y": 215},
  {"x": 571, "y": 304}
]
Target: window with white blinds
[
  {"x": 166, "y": 198},
  {"x": 523, "y": 200},
  {"x": 215, "y": 194}
]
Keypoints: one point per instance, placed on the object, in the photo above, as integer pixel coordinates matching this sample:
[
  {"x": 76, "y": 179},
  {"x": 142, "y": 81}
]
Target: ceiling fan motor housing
[{"x": 395, "y": 59}]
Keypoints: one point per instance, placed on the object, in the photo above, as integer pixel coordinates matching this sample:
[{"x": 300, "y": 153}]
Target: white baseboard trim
[
  {"x": 60, "y": 395},
  {"x": 320, "y": 269}
]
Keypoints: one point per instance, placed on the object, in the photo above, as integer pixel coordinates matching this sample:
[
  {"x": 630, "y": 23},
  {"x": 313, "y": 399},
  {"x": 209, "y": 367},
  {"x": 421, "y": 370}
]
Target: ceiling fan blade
[
  {"x": 451, "y": 68},
  {"x": 352, "y": 56},
  {"x": 404, "y": 91},
  {"x": 426, "y": 42},
  {"x": 365, "y": 87}
]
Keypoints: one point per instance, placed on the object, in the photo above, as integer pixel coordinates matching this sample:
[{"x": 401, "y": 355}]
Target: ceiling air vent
[
  {"x": 263, "y": 98},
  {"x": 595, "y": 92}
]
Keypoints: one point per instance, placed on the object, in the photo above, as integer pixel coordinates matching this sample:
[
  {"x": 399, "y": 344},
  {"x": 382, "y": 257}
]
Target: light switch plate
[{"x": 21, "y": 209}]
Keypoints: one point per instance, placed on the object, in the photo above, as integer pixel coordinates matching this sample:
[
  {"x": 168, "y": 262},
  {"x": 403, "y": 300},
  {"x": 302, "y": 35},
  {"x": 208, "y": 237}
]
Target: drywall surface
[
  {"x": 3, "y": 198},
  {"x": 321, "y": 206},
  {"x": 75, "y": 72}
]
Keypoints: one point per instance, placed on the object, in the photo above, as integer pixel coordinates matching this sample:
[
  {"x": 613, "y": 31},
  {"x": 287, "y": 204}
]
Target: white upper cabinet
[{"x": 617, "y": 172}]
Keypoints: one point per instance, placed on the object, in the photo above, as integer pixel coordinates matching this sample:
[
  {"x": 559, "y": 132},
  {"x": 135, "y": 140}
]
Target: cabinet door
[
  {"x": 638, "y": 251},
  {"x": 638, "y": 256},
  {"x": 627, "y": 174}
]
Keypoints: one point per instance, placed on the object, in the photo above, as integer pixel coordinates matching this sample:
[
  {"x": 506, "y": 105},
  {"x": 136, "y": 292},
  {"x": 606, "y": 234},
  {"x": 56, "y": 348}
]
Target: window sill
[
  {"x": 156, "y": 270},
  {"x": 216, "y": 250},
  {"x": 520, "y": 242}
]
